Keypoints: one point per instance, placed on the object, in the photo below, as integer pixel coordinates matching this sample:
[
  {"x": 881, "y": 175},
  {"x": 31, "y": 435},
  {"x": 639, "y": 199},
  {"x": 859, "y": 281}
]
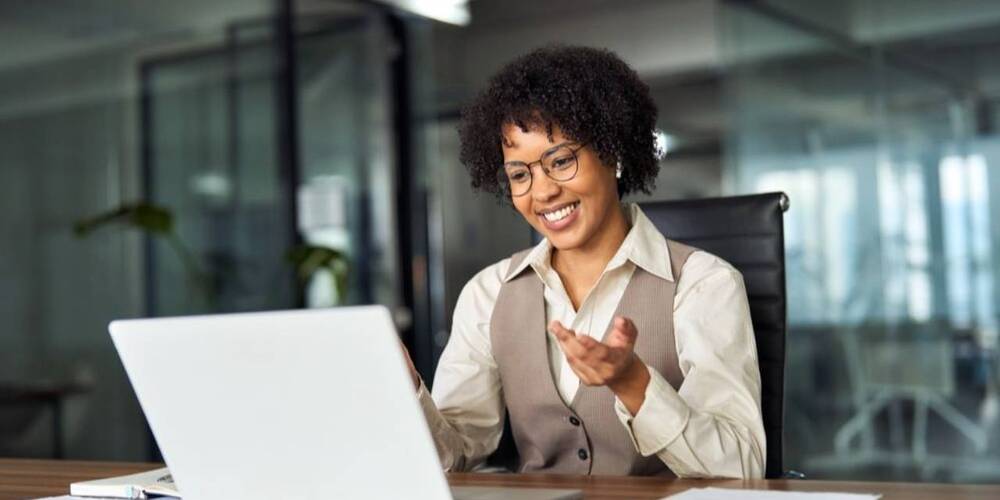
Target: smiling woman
[{"x": 613, "y": 349}]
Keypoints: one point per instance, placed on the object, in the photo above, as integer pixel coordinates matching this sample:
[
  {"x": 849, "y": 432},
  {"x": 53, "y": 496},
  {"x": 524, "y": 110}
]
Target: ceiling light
[{"x": 448, "y": 11}]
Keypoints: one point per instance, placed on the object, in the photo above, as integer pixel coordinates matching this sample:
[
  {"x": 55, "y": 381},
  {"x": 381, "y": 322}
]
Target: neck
[{"x": 590, "y": 259}]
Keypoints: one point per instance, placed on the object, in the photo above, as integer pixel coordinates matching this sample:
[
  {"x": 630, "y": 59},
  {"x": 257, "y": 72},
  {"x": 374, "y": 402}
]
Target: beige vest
[{"x": 586, "y": 436}]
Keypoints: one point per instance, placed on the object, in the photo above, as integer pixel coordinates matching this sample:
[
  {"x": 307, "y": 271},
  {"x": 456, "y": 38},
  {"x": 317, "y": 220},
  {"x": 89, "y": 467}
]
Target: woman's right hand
[{"x": 413, "y": 370}]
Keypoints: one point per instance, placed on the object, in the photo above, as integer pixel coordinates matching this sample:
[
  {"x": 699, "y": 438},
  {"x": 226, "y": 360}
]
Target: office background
[{"x": 177, "y": 156}]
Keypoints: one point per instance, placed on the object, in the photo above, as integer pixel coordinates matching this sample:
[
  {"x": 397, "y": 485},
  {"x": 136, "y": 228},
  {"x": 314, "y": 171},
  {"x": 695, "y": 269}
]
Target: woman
[{"x": 614, "y": 350}]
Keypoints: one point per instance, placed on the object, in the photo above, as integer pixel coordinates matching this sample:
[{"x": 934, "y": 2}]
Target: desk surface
[{"x": 20, "y": 479}]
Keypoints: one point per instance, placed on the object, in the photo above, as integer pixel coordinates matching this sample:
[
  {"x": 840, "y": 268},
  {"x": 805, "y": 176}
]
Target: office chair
[{"x": 748, "y": 232}]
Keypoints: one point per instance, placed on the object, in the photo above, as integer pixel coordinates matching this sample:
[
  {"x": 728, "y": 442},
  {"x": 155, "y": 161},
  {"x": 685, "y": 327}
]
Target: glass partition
[
  {"x": 71, "y": 183},
  {"x": 181, "y": 157},
  {"x": 891, "y": 369}
]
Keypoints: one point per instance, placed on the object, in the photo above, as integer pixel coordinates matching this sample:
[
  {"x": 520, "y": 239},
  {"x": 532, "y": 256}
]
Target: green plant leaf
[
  {"x": 310, "y": 259},
  {"x": 143, "y": 216}
]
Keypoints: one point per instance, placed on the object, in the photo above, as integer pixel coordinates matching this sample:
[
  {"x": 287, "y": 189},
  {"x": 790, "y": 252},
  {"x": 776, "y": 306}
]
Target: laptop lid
[{"x": 295, "y": 404}]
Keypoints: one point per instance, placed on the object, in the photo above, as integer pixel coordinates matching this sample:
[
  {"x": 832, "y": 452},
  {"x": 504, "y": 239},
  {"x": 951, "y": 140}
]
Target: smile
[{"x": 560, "y": 213}]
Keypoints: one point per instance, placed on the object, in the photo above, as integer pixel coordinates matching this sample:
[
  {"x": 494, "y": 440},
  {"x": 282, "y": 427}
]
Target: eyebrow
[{"x": 545, "y": 153}]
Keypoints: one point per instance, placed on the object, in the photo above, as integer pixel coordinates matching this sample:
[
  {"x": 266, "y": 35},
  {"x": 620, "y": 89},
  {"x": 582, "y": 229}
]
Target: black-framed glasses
[{"x": 559, "y": 164}]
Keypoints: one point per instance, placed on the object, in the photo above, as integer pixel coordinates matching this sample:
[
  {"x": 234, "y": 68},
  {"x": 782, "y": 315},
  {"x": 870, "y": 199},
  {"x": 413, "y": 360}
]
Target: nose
[{"x": 542, "y": 187}]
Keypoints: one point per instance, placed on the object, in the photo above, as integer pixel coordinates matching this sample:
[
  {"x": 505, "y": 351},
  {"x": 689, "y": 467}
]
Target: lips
[
  {"x": 559, "y": 217},
  {"x": 559, "y": 211}
]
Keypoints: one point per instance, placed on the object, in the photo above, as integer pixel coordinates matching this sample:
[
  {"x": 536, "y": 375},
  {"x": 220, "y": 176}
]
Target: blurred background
[{"x": 172, "y": 157}]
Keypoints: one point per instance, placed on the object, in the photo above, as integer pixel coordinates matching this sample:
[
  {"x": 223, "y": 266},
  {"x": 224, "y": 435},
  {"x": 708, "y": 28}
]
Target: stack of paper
[{"x": 734, "y": 494}]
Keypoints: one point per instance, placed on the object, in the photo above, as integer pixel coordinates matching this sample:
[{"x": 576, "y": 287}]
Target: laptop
[{"x": 291, "y": 404}]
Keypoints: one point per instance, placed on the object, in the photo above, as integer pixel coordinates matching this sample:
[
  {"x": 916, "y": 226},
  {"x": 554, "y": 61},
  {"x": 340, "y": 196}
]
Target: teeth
[{"x": 560, "y": 214}]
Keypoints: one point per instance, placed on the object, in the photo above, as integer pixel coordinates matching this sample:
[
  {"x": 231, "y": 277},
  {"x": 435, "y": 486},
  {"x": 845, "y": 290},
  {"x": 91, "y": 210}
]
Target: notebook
[{"x": 156, "y": 482}]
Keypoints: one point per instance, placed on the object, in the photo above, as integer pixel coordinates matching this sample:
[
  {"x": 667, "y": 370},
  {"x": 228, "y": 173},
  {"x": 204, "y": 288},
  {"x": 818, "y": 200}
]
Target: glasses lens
[
  {"x": 516, "y": 179},
  {"x": 561, "y": 164}
]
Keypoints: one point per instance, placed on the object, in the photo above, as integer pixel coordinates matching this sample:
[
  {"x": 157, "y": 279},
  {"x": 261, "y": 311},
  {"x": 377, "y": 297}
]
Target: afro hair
[{"x": 590, "y": 94}]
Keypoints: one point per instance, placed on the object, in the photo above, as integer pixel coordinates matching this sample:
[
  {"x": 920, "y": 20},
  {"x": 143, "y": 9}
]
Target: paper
[
  {"x": 138, "y": 485},
  {"x": 68, "y": 497},
  {"x": 734, "y": 494}
]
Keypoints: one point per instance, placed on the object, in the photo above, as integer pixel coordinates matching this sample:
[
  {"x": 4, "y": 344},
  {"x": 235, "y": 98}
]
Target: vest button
[
  {"x": 575, "y": 421},
  {"x": 582, "y": 454}
]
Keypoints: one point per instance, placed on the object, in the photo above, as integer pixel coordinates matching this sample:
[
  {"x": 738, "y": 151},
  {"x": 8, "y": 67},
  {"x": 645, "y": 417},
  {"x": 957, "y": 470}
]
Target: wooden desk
[{"x": 20, "y": 479}]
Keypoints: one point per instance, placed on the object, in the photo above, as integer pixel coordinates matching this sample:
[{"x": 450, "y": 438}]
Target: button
[
  {"x": 573, "y": 420},
  {"x": 582, "y": 454}
]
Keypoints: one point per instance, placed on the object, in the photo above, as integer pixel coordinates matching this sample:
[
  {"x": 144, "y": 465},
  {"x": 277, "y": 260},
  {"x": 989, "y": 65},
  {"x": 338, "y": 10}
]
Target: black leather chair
[{"x": 748, "y": 232}]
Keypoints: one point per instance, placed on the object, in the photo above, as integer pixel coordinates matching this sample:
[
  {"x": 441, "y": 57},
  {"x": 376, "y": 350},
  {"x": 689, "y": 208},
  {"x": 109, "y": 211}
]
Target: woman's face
[{"x": 571, "y": 214}]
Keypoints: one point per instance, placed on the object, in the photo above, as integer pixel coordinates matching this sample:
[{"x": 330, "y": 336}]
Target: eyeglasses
[{"x": 559, "y": 164}]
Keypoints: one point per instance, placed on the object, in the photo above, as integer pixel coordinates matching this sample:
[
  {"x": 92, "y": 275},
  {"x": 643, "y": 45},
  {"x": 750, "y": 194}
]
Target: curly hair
[{"x": 590, "y": 94}]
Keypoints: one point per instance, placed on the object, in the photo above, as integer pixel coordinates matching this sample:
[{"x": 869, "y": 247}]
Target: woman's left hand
[{"x": 612, "y": 363}]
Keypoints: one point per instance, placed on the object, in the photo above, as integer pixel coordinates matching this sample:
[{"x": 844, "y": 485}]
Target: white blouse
[{"x": 710, "y": 427}]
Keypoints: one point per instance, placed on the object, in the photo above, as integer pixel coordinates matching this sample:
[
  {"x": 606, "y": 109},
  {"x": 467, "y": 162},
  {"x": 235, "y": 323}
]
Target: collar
[{"x": 644, "y": 246}]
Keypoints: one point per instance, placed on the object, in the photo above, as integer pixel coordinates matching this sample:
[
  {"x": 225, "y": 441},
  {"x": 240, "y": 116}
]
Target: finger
[
  {"x": 627, "y": 327},
  {"x": 571, "y": 346},
  {"x": 594, "y": 350},
  {"x": 587, "y": 341},
  {"x": 623, "y": 334},
  {"x": 560, "y": 331},
  {"x": 588, "y": 375},
  {"x": 414, "y": 375},
  {"x": 568, "y": 339}
]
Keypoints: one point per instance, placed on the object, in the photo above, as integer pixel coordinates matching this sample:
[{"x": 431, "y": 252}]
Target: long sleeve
[
  {"x": 466, "y": 411},
  {"x": 712, "y": 426}
]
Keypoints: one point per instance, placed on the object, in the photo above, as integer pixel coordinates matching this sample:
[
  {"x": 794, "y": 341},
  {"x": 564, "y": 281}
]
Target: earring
[{"x": 618, "y": 171}]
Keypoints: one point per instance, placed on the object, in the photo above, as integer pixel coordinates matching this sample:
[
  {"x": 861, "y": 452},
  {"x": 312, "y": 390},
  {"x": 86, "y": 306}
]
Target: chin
[{"x": 564, "y": 241}]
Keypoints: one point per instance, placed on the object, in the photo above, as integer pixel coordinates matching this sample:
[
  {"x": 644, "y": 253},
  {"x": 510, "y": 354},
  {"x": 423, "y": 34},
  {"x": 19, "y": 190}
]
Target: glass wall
[
  {"x": 178, "y": 157},
  {"x": 212, "y": 160},
  {"x": 215, "y": 126},
  {"x": 885, "y": 147},
  {"x": 71, "y": 184}
]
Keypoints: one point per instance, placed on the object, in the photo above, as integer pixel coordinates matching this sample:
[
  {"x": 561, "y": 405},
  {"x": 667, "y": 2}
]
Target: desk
[{"x": 21, "y": 479}]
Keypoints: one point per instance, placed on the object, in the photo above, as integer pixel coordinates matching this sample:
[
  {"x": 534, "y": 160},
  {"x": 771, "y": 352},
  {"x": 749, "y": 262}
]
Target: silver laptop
[{"x": 292, "y": 405}]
